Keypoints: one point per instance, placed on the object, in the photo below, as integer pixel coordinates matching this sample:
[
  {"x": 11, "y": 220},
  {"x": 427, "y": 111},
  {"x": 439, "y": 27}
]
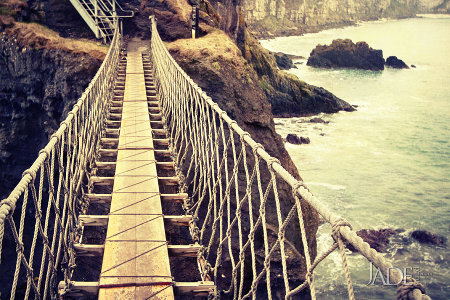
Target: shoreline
[{"x": 266, "y": 35}]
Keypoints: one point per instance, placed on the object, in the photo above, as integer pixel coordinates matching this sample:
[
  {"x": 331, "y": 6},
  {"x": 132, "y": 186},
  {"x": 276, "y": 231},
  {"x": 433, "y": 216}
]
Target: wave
[{"x": 335, "y": 187}]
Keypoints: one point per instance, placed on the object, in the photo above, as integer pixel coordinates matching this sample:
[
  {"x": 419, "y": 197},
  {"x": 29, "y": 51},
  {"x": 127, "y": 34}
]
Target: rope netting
[
  {"x": 249, "y": 212},
  {"x": 50, "y": 195}
]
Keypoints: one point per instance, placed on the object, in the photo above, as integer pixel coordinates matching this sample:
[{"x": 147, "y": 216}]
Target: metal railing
[
  {"x": 249, "y": 212},
  {"x": 50, "y": 195}
]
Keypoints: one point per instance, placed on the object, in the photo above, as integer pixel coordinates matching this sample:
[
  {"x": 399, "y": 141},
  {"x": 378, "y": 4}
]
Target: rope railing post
[{"x": 235, "y": 196}]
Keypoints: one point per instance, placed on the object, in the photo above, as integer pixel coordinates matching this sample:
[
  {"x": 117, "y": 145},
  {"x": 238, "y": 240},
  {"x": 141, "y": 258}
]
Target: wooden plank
[
  {"x": 78, "y": 289},
  {"x": 93, "y": 220},
  {"x": 200, "y": 288},
  {"x": 102, "y": 220},
  {"x": 136, "y": 258},
  {"x": 83, "y": 289}
]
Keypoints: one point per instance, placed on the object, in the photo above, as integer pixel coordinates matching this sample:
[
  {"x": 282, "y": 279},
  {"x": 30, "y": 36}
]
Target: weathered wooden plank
[{"x": 136, "y": 257}]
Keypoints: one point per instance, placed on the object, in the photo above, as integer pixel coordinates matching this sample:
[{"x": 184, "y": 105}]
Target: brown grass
[
  {"x": 40, "y": 37},
  {"x": 215, "y": 46}
]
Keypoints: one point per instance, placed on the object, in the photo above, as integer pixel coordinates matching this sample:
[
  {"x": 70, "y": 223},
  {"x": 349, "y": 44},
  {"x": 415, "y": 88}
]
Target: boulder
[
  {"x": 427, "y": 237},
  {"x": 284, "y": 62},
  {"x": 297, "y": 140},
  {"x": 377, "y": 239},
  {"x": 394, "y": 62},
  {"x": 318, "y": 120},
  {"x": 346, "y": 54}
]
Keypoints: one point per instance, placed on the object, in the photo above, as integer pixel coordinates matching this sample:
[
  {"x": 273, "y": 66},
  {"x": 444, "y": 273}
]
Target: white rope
[
  {"x": 77, "y": 139},
  {"x": 208, "y": 145}
]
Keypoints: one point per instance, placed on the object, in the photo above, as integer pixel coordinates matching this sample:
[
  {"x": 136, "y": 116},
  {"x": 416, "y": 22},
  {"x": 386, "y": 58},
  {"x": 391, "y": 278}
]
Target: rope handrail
[
  {"x": 202, "y": 135},
  {"x": 54, "y": 181}
]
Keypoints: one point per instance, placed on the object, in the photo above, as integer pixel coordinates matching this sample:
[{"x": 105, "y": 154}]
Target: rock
[
  {"x": 298, "y": 63},
  {"x": 346, "y": 54},
  {"x": 377, "y": 239},
  {"x": 318, "y": 120},
  {"x": 291, "y": 56},
  {"x": 413, "y": 66},
  {"x": 427, "y": 237},
  {"x": 296, "y": 140},
  {"x": 394, "y": 62},
  {"x": 284, "y": 62}
]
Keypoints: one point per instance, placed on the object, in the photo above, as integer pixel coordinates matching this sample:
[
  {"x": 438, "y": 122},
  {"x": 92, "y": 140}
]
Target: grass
[{"x": 41, "y": 37}]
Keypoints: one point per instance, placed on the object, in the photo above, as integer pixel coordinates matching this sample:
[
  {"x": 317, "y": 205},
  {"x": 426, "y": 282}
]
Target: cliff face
[
  {"x": 40, "y": 80},
  {"x": 289, "y": 17}
]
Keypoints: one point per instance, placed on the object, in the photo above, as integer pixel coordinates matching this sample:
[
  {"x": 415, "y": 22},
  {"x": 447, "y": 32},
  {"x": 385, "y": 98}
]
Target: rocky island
[{"x": 346, "y": 54}]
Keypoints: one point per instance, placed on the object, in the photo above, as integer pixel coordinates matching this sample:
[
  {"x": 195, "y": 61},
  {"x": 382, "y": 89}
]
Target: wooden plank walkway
[{"x": 136, "y": 259}]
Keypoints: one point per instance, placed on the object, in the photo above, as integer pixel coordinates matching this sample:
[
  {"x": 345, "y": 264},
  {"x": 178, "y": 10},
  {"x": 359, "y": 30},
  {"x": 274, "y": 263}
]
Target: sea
[{"x": 386, "y": 165}]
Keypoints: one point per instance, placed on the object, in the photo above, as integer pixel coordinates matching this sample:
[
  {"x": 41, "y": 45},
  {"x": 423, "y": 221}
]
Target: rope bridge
[{"x": 248, "y": 211}]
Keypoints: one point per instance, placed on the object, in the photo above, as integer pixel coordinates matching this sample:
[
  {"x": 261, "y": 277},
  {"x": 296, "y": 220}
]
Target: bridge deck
[{"x": 136, "y": 260}]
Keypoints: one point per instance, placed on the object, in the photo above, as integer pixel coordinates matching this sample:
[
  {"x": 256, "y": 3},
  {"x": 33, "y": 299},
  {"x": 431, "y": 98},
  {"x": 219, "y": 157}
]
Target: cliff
[
  {"x": 42, "y": 76},
  {"x": 268, "y": 18}
]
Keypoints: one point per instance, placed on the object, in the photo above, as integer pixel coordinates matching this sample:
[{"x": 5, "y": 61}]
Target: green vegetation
[{"x": 216, "y": 65}]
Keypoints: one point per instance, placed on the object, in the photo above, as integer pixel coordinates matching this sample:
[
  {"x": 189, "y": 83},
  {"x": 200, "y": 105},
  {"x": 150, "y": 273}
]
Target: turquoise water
[{"x": 386, "y": 165}]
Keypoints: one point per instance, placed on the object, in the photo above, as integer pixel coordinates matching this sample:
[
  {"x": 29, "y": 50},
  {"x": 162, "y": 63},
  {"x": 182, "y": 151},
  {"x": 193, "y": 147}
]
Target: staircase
[{"x": 100, "y": 16}]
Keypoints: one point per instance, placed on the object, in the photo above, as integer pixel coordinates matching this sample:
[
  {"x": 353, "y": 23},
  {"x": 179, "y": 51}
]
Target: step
[
  {"x": 86, "y": 288},
  {"x": 165, "y": 153},
  {"x": 97, "y": 180},
  {"x": 102, "y": 220},
  {"x": 154, "y": 110},
  {"x": 111, "y": 165},
  {"x": 169, "y": 180},
  {"x": 106, "y": 198},
  {"x": 108, "y": 152},
  {"x": 92, "y": 250},
  {"x": 110, "y": 141},
  {"x": 161, "y": 142},
  {"x": 112, "y": 130}
]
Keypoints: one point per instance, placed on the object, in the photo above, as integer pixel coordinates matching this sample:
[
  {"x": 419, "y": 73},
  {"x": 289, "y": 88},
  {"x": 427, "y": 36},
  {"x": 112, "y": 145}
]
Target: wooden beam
[
  {"x": 102, "y": 220},
  {"x": 184, "y": 250},
  {"x": 180, "y": 197},
  {"x": 108, "y": 152},
  {"x": 92, "y": 250},
  {"x": 88, "y": 250},
  {"x": 161, "y": 142},
  {"x": 83, "y": 288},
  {"x": 101, "y": 180},
  {"x": 169, "y": 180},
  {"x": 99, "y": 198},
  {"x": 93, "y": 220},
  {"x": 199, "y": 288},
  {"x": 78, "y": 289},
  {"x": 169, "y": 165}
]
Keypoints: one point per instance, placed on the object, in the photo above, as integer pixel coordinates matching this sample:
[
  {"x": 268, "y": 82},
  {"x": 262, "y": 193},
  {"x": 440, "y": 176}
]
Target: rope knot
[
  {"x": 408, "y": 285},
  {"x": 30, "y": 172},
  {"x": 335, "y": 233},
  {"x": 272, "y": 161},
  {"x": 244, "y": 134},
  {"x": 45, "y": 151},
  {"x": 256, "y": 147},
  {"x": 19, "y": 248},
  {"x": 11, "y": 205}
]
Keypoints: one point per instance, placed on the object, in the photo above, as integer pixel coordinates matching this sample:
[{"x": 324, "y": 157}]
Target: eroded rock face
[
  {"x": 346, "y": 54},
  {"x": 37, "y": 90},
  {"x": 269, "y": 18},
  {"x": 394, "y": 62}
]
